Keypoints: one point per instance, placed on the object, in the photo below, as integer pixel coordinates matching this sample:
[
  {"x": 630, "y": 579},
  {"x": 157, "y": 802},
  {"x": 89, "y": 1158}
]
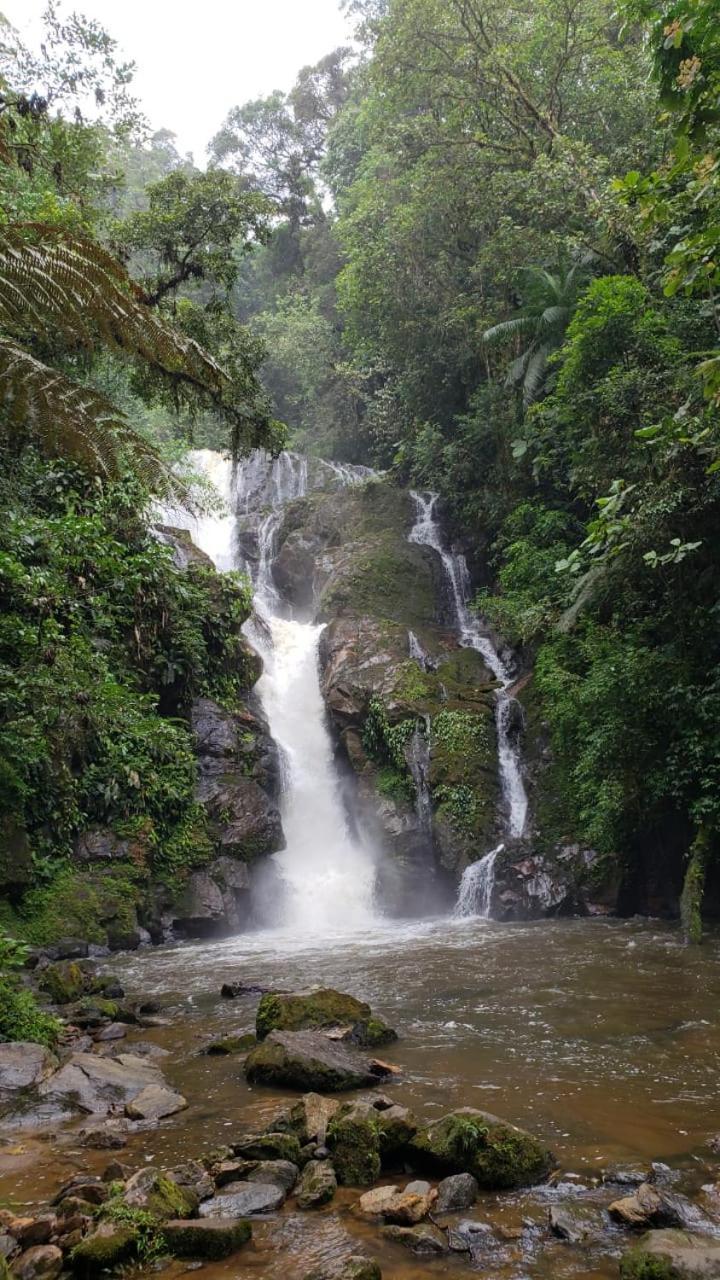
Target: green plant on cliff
[{"x": 20, "y": 1016}]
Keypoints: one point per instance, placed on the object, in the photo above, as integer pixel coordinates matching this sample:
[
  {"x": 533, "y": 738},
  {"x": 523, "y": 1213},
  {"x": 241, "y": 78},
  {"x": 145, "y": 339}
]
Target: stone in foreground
[
  {"x": 497, "y": 1154},
  {"x": 23, "y": 1064},
  {"x": 456, "y": 1193},
  {"x": 309, "y": 1060},
  {"x": 672, "y": 1255},
  {"x": 98, "y": 1085},
  {"x": 243, "y": 1200},
  {"x": 317, "y": 1186},
  {"x": 106, "y": 1248},
  {"x": 424, "y": 1240},
  {"x": 154, "y": 1102},
  {"x": 211, "y": 1238}
]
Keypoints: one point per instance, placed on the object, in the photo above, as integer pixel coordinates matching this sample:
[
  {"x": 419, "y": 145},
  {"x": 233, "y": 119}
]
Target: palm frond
[
  {"x": 73, "y": 421},
  {"x": 507, "y": 329},
  {"x": 535, "y": 372}
]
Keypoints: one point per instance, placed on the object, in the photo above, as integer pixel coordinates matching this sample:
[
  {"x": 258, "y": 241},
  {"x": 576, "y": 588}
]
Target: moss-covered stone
[
  {"x": 496, "y": 1153},
  {"x": 307, "y": 1010},
  {"x": 159, "y": 1195},
  {"x": 269, "y": 1146},
  {"x": 353, "y": 1136},
  {"x": 308, "y": 1060},
  {"x": 206, "y": 1238},
  {"x": 63, "y": 982},
  {"x": 672, "y": 1255},
  {"x": 104, "y": 1250},
  {"x": 397, "y": 1127},
  {"x": 226, "y": 1045}
]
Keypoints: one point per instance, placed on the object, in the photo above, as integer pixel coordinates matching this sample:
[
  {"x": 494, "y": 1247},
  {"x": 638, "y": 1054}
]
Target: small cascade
[
  {"x": 417, "y": 754},
  {"x": 327, "y": 874},
  {"x": 426, "y": 532},
  {"x": 420, "y": 654},
  {"x": 476, "y": 887}
]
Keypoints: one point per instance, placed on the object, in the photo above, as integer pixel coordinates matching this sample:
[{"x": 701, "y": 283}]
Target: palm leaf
[{"x": 509, "y": 329}]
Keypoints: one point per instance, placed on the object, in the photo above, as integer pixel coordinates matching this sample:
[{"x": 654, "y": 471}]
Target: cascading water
[
  {"x": 327, "y": 873},
  {"x": 476, "y": 890}
]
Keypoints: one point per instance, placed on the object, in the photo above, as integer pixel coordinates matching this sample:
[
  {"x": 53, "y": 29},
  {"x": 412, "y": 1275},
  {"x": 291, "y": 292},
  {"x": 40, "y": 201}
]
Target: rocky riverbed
[{"x": 600, "y": 1039}]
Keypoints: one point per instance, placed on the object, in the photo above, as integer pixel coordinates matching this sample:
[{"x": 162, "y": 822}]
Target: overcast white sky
[{"x": 196, "y": 60}]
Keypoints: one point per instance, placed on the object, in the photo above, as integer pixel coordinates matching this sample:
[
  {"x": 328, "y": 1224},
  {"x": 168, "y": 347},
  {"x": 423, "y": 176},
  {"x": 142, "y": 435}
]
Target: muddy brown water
[{"x": 601, "y": 1037}]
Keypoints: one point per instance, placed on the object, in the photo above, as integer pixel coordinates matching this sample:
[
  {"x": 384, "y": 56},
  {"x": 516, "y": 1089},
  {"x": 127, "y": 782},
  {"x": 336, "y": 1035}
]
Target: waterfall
[
  {"x": 426, "y": 532},
  {"x": 417, "y": 754},
  {"x": 327, "y": 874},
  {"x": 476, "y": 887}
]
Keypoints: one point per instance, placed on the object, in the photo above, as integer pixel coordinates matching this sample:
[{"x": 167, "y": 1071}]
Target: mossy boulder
[
  {"x": 206, "y": 1238},
  {"x": 353, "y": 1136},
  {"x": 397, "y": 1127},
  {"x": 317, "y": 1186},
  {"x": 104, "y": 1250},
  {"x": 309, "y": 1060},
  {"x": 155, "y": 1192},
  {"x": 269, "y": 1146},
  {"x": 63, "y": 982},
  {"x": 498, "y": 1155},
  {"x": 672, "y": 1255},
  {"x": 324, "y": 1008},
  {"x": 226, "y": 1045}
]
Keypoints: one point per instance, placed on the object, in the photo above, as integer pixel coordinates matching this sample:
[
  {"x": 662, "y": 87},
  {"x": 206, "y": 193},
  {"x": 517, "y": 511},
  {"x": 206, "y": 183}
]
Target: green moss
[
  {"x": 307, "y": 1010},
  {"x": 83, "y": 904},
  {"x": 462, "y": 745},
  {"x": 270, "y": 1146},
  {"x": 639, "y": 1265},
  {"x": 395, "y": 785},
  {"x": 168, "y": 1200},
  {"x": 21, "y": 1018},
  {"x": 63, "y": 982},
  {"x": 497, "y": 1154},
  {"x": 100, "y": 1252},
  {"x": 231, "y": 1044},
  {"x": 353, "y": 1137},
  {"x": 188, "y": 847},
  {"x": 202, "y": 1239}
]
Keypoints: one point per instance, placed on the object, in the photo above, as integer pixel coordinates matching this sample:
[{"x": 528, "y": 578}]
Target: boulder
[
  {"x": 24, "y": 1065},
  {"x": 651, "y": 1206},
  {"x": 353, "y": 1137},
  {"x": 63, "y": 982},
  {"x": 206, "y": 1238},
  {"x": 269, "y": 1147},
  {"x": 195, "y": 1176},
  {"x": 154, "y": 1102},
  {"x": 498, "y": 1155},
  {"x": 456, "y": 1193},
  {"x": 278, "y": 1173},
  {"x": 317, "y": 1185},
  {"x": 308, "y": 1119},
  {"x": 105, "y": 1249},
  {"x": 576, "y": 1222},
  {"x": 156, "y": 1192},
  {"x": 424, "y": 1240},
  {"x": 245, "y": 821},
  {"x": 100, "y": 844},
  {"x": 41, "y": 1262},
  {"x": 99, "y": 1085},
  {"x": 245, "y": 1200},
  {"x": 397, "y": 1127},
  {"x": 324, "y": 1008},
  {"x": 672, "y": 1255},
  {"x": 390, "y": 1204},
  {"x": 308, "y": 1060},
  {"x": 372, "y": 1204},
  {"x": 226, "y": 1045}
]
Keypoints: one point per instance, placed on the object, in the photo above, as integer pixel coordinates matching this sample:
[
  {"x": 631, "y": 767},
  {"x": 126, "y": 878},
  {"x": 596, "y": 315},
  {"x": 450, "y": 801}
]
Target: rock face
[
  {"x": 309, "y": 1060},
  {"x": 99, "y": 1085},
  {"x": 497, "y": 1154},
  {"x": 308, "y": 1010},
  {"x": 530, "y": 884}
]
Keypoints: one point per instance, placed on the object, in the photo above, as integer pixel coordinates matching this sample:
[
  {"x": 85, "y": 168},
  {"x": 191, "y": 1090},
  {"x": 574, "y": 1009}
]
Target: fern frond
[
  {"x": 73, "y": 421},
  {"x": 51, "y": 283}
]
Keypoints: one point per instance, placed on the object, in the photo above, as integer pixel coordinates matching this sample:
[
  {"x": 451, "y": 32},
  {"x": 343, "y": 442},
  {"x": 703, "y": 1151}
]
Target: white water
[
  {"x": 327, "y": 874},
  {"x": 476, "y": 895}
]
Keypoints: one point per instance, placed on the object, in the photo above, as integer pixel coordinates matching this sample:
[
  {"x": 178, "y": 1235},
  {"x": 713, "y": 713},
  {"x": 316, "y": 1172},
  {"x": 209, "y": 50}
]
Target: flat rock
[
  {"x": 423, "y": 1240},
  {"x": 275, "y": 1173},
  {"x": 24, "y": 1065},
  {"x": 576, "y": 1222},
  {"x": 373, "y": 1203},
  {"x": 100, "y": 1085},
  {"x": 308, "y": 1060},
  {"x": 154, "y": 1102},
  {"x": 254, "y": 1198}
]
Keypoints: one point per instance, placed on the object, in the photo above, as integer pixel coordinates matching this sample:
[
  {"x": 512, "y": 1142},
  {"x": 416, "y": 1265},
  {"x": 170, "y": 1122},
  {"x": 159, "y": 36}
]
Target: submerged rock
[
  {"x": 424, "y": 1240},
  {"x": 210, "y": 1238},
  {"x": 576, "y": 1222},
  {"x": 672, "y": 1255},
  {"x": 498, "y": 1155},
  {"x": 308, "y": 1060},
  {"x": 325, "y": 1008}
]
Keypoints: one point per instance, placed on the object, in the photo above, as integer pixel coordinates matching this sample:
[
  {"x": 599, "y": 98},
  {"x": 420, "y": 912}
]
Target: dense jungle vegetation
[{"x": 478, "y": 249}]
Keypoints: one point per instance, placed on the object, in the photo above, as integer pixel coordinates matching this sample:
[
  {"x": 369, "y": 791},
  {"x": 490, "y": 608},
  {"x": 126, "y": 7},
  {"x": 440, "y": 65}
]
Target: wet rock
[
  {"x": 103, "y": 1139},
  {"x": 227, "y": 1045},
  {"x": 498, "y": 1155},
  {"x": 373, "y": 1203},
  {"x": 105, "y": 1249},
  {"x": 278, "y": 1173},
  {"x": 87, "y": 1187},
  {"x": 672, "y": 1255},
  {"x": 33, "y": 1231},
  {"x": 317, "y": 1185},
  {"x": 231, "y": 990},
  {"x": 24, "y": 1065},
  {"x": 244, "y": 819},
  {"x": 269, "y": 1146},
  {"x": 245, "y": 1200},
  {"x": 63, "y": 982},
  {"x": 308, "y": 1060},
  {"x": 324, "y": 1008},
  {"x": 456, "y": 1193},
  {"x": 397, "y": 1127},
  {"x": 308, "y": 1119},
  {"x": 8, "y": 1247},
  {"x": 207, "y": 1238},
  {"x": 154, "y": 1102},
  {"x": 193, "y": 1175},
  {"x": 100, "y": 844},
  {"x": 576, "y": 1222},
  {"x": 98, "y": 1084},
  {"x": 424, "y": 1240},
  {"x": 626, "y": 1175},
  {"x": 41, "y": 1262},
  {"x": 156, "y": 1192},
  {"x": 652, "y": 1206},
  {"x": 185, "y": 552},
  {"x": 475, "y": 1238},
  {"x": 353, "y": 1137}
]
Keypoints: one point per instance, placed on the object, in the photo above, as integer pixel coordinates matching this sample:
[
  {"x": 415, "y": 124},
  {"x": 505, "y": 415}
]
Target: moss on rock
[
  {"x": 206, "y": 1238},
  {"x": 104, "y": 1250},
  {"x": 497, "y": 1154},
  {"x": 309, "y": 1010},
  {"x": 353, "y": 1136},
  {"x": 269, "y": 1146}
]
